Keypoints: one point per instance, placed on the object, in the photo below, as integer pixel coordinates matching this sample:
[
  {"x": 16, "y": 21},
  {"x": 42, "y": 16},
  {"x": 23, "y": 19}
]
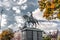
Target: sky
[{"x": 13, "y": 10}]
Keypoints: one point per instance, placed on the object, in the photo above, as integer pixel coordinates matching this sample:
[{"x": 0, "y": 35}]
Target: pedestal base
[{"x": 31, "y": 34}]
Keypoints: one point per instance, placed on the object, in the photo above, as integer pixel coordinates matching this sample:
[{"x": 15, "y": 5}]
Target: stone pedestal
[{"x": 31, "y": 34}]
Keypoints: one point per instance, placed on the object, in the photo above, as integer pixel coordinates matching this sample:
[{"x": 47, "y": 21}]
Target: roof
[{"x": 31, "y": 29}]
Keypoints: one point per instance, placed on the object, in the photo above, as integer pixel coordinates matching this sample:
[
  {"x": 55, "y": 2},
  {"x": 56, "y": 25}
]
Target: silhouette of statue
[{"x": 30, "y": 19}]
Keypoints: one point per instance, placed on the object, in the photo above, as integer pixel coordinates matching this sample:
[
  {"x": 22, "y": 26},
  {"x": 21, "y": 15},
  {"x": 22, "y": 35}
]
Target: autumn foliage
[
  {"x": 6, "y": 35},
  {"x": 50, "y": 7}
]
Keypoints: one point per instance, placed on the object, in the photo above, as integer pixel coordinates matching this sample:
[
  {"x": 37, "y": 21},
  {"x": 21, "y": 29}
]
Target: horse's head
[{"x": 25, "y": 16}]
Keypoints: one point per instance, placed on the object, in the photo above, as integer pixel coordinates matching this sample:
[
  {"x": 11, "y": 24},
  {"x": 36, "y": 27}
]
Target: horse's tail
[{"x": 37, "y": 22}]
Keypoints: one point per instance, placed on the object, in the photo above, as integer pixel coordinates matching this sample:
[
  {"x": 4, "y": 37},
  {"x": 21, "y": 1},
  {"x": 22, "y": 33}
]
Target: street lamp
[{"x": 1, "y": 17}]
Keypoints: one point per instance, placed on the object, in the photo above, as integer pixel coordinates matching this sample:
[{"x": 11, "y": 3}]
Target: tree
[
  {"x": 51, "y": 7},
  {"x": 6, "y": 35},
  {"x": 46, "y": 38}
]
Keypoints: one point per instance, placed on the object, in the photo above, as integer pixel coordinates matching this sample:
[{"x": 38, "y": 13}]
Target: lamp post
[
  {"x": 0, "y": 20},
  {"x": 1, "y": 17}
]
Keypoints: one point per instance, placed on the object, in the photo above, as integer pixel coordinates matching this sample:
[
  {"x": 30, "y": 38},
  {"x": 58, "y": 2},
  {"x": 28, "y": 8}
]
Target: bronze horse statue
[{"x": 31, "y": 19}]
